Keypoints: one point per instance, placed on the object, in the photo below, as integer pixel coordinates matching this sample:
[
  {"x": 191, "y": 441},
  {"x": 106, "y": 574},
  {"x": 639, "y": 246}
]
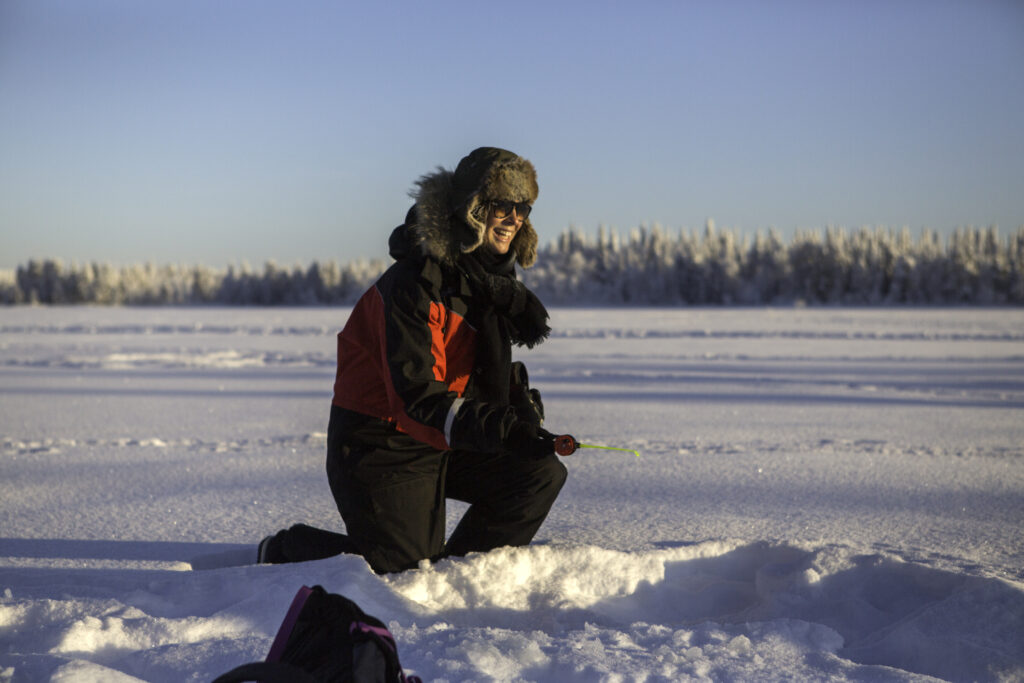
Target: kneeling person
[{"x": 428, "y": 404}]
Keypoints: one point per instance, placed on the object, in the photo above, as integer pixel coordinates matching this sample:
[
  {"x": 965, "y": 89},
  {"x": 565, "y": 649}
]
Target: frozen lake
[{"x": 821, "y": 493}]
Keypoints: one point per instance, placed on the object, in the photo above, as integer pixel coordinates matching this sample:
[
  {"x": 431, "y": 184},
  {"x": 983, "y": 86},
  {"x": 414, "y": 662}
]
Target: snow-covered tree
[{"x": 871, "y": 266}]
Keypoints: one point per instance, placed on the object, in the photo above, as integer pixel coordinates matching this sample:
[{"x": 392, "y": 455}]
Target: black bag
[{"x": 326, "y": 638}]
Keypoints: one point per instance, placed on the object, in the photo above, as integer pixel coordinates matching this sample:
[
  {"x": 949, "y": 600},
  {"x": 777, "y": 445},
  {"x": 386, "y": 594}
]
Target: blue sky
[{"x": 223, "y": 131}]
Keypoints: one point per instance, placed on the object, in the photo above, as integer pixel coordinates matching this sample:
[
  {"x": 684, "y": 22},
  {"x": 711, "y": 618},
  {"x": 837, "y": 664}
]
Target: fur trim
[
  {"x": 435, "y": 231},
  {"x": 451, "y": 207}
]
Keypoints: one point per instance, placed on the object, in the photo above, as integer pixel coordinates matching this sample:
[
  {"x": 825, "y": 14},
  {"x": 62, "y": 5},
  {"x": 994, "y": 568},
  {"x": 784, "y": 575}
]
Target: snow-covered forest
[{"x": 871, "y": 266}]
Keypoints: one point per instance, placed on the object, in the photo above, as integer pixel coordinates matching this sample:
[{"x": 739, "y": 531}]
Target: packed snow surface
[{"x": 822, "y": 494}]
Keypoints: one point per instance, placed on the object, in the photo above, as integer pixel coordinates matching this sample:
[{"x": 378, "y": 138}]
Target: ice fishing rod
[{"x": 567, "y": 445}]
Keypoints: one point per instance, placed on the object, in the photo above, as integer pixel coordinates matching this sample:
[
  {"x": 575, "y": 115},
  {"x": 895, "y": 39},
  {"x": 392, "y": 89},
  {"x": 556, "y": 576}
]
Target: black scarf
[
  {"x": 493, "y": 279},
  {"x": 505, "y": 311}
]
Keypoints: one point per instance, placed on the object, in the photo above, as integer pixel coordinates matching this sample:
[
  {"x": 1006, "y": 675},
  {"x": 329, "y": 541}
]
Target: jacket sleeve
[{"x": 420, "y": 334}]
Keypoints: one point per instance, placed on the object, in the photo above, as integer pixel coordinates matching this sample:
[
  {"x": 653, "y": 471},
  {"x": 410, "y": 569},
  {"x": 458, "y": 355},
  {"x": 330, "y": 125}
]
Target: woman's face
[{"x": 500, "y": 231}]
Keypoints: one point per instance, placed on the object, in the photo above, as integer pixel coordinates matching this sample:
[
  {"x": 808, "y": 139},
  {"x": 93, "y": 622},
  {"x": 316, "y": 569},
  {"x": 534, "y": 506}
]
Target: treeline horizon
[{"x": 647, "y": 266}]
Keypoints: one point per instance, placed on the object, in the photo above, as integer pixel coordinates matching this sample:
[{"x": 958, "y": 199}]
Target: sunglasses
[{"x": 500, "y": 209}]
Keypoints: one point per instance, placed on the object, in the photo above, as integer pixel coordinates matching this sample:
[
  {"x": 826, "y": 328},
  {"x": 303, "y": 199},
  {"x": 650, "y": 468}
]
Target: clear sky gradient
[{"x": 217, "y": 132}]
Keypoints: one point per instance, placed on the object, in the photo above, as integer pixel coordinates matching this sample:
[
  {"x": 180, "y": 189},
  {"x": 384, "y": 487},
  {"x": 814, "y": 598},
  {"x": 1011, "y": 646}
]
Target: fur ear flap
[
  {"x": 474, "y": 214},
  {"x": 525, "y": 245}
]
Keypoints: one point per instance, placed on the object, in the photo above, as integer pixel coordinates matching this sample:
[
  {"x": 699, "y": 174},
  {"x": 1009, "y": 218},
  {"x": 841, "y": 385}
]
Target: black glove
[
  {"x": 525, "y": 400},
  {"x": 527, "y": 440},
  {"x": 536, "y": 404}
]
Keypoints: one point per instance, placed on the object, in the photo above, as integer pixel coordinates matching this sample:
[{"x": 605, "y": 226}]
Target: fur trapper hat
[{"x": 451, "y": 206}]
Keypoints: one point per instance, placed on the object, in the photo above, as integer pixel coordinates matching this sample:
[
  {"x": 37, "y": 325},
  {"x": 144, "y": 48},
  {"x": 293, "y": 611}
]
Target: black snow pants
[{"x": 391, "y": 492}]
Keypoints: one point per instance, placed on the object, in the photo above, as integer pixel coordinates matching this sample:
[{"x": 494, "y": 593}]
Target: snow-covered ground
[{"x": 821, "y": 494}]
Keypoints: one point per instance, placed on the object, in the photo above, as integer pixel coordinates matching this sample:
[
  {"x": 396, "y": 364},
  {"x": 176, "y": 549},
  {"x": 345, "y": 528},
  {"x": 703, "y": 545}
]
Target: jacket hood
[{"x": 450, "y": 214}]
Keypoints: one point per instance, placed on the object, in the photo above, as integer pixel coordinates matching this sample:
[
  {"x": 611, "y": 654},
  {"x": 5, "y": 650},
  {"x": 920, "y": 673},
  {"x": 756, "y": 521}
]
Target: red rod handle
[{"x": 565, "y": 445}]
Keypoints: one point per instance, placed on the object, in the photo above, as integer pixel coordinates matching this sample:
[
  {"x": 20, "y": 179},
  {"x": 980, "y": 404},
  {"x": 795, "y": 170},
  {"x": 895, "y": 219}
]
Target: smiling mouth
[{"x": 504, "y": 234}]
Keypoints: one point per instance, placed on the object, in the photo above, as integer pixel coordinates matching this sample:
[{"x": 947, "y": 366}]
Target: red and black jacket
[{"x": 408, "y": 356}]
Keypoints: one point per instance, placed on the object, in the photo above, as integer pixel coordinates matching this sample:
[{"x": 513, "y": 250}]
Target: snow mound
[
  {"x": 718, "y": 610},
  {"x": 746, "y": 599}
]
